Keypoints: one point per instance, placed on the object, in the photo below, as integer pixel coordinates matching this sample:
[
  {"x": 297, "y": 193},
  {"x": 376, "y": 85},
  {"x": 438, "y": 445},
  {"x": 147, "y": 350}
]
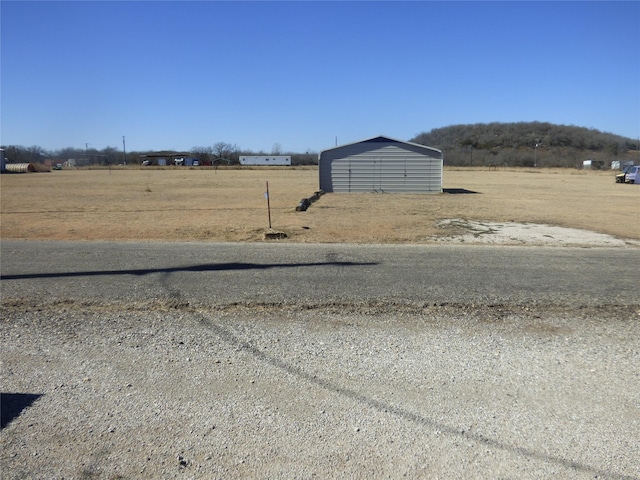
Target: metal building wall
[{"x": 385, "y": 167}]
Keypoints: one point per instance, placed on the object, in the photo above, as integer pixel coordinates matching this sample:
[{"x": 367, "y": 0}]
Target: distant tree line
[
  {"x": 527, "y": 144},
  {"x": 220, "y": 153}
]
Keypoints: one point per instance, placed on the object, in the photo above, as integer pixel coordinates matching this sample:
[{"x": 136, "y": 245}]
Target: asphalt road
[{"x": 222, "y": 274}]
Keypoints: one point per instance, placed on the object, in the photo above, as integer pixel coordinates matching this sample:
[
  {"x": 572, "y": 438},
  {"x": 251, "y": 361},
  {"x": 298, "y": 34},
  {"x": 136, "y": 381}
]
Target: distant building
[
  {"x": 621, "y": 164},
  {"x": 269, "y": 160},
  {"x": 381, "y": 164},
  {"x": 163, "y": 159},
  {"x": 592, "y": 164}
]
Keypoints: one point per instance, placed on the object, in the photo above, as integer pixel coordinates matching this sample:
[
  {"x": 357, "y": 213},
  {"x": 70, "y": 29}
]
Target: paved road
[{"x": 317, "y": 275}]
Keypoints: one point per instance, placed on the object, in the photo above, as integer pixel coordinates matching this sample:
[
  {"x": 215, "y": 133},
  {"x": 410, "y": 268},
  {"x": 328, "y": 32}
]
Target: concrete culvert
[{"x": 19, "y": 167}]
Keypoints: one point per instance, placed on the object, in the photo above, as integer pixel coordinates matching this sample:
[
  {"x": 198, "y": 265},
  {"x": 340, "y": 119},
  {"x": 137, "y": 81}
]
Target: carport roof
[{"x": 384, "y": 139}]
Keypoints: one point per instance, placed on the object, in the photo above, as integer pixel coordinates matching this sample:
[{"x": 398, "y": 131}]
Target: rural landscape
[
  {"x": 178, "y": 322},
  {"x": 319, "y": 240}
]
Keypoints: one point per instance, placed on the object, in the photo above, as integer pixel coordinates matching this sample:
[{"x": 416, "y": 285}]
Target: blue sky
[{"x": 178, "y": 75}]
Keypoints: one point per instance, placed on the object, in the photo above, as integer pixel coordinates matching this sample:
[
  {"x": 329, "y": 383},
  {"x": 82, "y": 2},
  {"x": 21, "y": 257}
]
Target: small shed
[{"x": 381, "y": 164}]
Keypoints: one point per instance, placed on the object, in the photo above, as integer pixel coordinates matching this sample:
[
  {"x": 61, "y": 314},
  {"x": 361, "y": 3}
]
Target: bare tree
[
  {"x": 204, "y": 154},
  {"x": 20, "y": 154},
  {"x": 223, "y": 152}
]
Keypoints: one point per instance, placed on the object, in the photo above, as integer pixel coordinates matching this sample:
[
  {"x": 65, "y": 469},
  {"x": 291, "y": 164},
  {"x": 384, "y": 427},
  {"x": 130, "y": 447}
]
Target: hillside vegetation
[{"x": 528, "y": 144}]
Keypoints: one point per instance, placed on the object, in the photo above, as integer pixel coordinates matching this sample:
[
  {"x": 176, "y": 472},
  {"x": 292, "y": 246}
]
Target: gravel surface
[{"x": 172, "y": 391}]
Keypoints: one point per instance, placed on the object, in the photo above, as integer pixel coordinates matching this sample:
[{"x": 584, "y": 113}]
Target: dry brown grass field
[{"x": 200, "y": 204}]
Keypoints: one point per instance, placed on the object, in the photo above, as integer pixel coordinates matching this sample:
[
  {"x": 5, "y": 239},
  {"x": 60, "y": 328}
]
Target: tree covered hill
[{"x": 528, "y": 144}]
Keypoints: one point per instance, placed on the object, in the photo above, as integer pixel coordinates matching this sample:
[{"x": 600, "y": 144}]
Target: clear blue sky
[{"x": 178, "y": 75}]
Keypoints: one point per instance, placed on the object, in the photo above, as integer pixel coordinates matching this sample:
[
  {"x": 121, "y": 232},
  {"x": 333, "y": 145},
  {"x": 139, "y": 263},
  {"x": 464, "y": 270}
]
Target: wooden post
[{"x": 268, "y": 204}]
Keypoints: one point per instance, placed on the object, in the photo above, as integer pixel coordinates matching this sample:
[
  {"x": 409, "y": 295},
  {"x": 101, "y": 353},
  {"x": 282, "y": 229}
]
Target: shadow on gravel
[
  {"x": 404, "y": 413},
  {"x": 213, "y": 267},
  {"x": 12, "y": 405}
]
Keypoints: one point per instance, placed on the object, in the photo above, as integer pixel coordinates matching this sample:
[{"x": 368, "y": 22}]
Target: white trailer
[{"x": 274, "y": 160}]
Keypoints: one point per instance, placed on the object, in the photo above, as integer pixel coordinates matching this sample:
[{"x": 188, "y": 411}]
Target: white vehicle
[{"x": 632, "y": 175}]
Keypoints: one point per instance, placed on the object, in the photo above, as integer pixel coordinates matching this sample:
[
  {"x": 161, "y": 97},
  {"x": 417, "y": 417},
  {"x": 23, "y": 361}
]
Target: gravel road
[{"x": 155, "y": 388}]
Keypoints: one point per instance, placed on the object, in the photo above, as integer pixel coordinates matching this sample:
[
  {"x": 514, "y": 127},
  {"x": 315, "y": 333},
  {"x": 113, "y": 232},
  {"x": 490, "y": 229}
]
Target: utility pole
[{"x": 124, "y": 151}]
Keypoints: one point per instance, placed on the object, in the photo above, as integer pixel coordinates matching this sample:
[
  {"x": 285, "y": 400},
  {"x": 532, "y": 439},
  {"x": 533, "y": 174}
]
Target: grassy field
[{"x": 198, "y": 204}]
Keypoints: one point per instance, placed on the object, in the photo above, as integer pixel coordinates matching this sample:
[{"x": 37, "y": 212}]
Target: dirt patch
[{"x": 512, "y": 233}]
